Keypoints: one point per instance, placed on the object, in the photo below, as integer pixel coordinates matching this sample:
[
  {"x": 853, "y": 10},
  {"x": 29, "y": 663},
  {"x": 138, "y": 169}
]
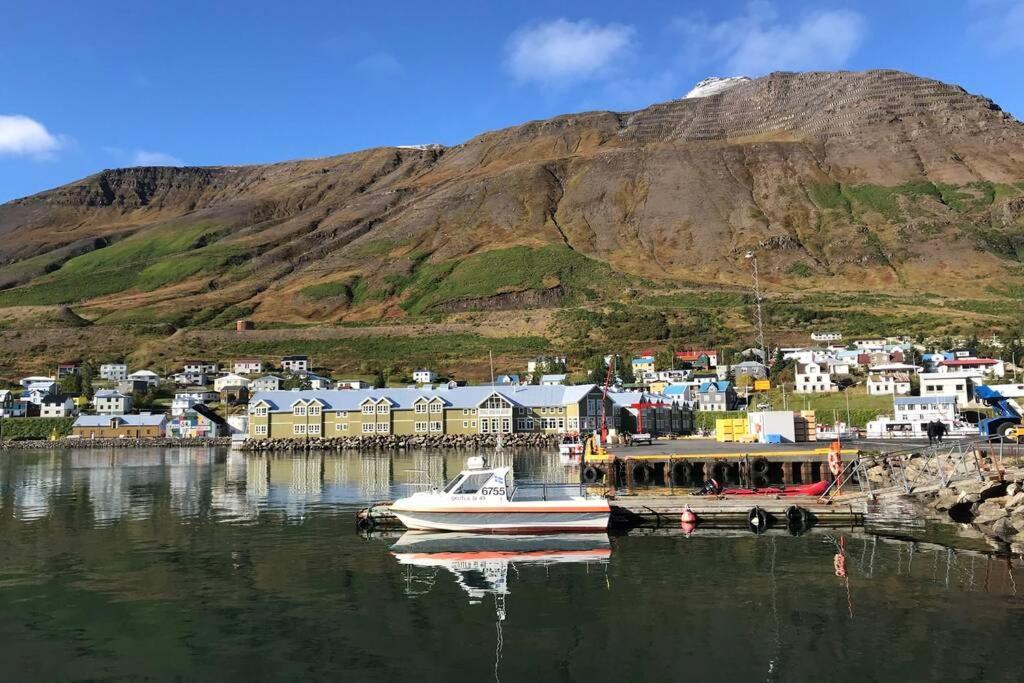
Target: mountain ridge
[{"x": 873, "y": 181}]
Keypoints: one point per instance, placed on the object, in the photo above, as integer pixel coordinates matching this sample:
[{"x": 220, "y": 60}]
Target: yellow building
[{"x": 458, "y": 410}]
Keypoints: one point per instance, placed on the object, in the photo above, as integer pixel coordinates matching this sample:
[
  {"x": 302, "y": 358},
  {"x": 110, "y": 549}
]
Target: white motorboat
[
  {"x": 571, "y": 446},
  {"x": 487, "y": 500}
]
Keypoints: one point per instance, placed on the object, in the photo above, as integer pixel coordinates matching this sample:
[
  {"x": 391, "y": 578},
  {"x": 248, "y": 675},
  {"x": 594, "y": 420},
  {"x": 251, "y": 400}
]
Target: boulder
[
  {"x": 1003, "y": 529},
  {"x": 989, "y": 512}
]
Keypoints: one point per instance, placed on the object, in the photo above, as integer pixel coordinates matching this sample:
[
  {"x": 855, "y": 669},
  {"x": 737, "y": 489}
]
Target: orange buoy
[{"x": 688, "y": 516}]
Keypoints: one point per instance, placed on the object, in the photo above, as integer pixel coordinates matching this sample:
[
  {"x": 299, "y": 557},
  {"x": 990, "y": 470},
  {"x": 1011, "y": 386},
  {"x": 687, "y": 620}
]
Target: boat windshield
[
  {"x": 452, "y": 483},
  {"x": 473, "y": 482}
]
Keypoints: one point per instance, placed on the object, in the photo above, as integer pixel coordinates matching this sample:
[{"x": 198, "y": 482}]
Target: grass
[
  {"x": 403, "y": 351},
  {"x": 146, "y": 260},
  {"x": 500, "y": 270},
  {"x": 799, "y": 269},
  {"x": 35, "y": 427}
]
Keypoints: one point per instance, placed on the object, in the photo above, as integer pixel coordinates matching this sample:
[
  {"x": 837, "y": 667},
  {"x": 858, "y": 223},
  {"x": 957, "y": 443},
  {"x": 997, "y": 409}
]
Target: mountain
[{"x": 877, "y": 183}]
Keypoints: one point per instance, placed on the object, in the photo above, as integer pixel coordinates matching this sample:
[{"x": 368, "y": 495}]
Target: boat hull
[{"x": 506, "y": 521}]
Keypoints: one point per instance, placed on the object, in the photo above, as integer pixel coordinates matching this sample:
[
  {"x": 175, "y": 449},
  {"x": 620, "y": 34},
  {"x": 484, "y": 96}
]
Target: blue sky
[{"x": 87, "y": 86}]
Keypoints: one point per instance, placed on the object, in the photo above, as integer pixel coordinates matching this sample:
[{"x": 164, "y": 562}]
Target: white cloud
[
  {"x": 759, "y": 41},
  {"x": 22, "y": 136},
  {"x": 145, "y": 158},
  {"x": 999, "y": 23},
  {"x": 563, "y": 51},
  {"x": 382, "y": 64}
]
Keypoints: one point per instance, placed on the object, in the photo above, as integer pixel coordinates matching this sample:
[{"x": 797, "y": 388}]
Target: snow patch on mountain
[{"x": 715, "y": 85}]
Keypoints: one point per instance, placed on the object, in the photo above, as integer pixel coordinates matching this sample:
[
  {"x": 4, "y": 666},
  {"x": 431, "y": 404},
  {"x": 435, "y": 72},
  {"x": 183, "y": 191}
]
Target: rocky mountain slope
[{"x": 870, "y": 182}]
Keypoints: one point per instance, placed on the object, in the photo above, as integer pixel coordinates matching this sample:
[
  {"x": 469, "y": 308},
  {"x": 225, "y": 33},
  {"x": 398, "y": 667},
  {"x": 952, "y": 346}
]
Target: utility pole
[{"x": 757, "y": 308}]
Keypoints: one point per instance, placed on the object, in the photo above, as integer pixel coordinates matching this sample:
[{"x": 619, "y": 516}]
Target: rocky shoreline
[
  {"x": 393, "y": 442},
  {"x": 158, "y": 442}
]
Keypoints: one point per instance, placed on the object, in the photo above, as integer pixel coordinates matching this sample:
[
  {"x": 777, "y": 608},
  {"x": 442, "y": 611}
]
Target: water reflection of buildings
[{"x": 35, "y": 486}]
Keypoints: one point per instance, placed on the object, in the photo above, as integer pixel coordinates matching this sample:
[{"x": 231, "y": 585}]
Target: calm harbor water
[{"x": 204, "y": 565}]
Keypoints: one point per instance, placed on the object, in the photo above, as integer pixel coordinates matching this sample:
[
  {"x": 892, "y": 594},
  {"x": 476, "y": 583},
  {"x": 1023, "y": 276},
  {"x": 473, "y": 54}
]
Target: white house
[
  {"x": 838, "y": 366},
  {"x": 351, "y": 384},
  {"x": 890, "y": 378},
  {"x": 230, "y": 380},
  {"x": 35, "y": 392},
  {"x": 266, "y": 383},
  {"x": 986, "y": 366},
  {"x": 147, "y": 376},
  {"x": 925, "y": 408},
  {"x": 826, "y": 336},
  {"x": 114, "y": 371},
  {"x": 295, "y": 363},
  {"x": 870, "y": 344},
  {"x": 543, "y": 362},
  {"x": 57, "y": 406},
  {"x": 110, "y": 402},
  {"x": 247, "y": 366},
  {"x": 956, "y": 384},
  {"x": 183, "y": 403},
  {"x": 189, "y": 378},
  {"x": 202, "y": 366},
  {"x": 200, "y": 394},
  {"x": 25, "y": 382},
  {"x": 552, "y": 380},
  {"x": 423, "y": 376},
  {"x": 811, "y": 379}
]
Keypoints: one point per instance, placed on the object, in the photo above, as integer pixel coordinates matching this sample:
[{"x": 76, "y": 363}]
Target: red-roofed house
[
  {"x": 987, "y": 366},
  {"x": 698, "y": 358}
]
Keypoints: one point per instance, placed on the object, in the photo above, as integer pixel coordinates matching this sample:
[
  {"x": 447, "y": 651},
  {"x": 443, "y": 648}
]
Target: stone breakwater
[
  {"x": 994, "y": 507},
  {"x": 162, "y": 442},
  {"x": 391, "y": 442},
  {"x": 989, "y": 502}
]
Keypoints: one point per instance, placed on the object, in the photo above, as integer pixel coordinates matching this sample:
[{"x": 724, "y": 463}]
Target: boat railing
[{"x": 547, "y": 491}]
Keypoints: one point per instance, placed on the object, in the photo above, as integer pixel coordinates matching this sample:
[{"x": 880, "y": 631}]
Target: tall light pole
[{"x": 757, "y": 308}]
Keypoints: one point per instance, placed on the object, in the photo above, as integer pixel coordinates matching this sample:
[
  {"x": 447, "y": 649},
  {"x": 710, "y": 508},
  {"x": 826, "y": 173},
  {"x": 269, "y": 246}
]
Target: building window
[
  {"x": 367, "y": 427},
  {"x": 298, "y": 429},
  {"x": 420, "y": 426},
  {"x": 484, "y": 426},
  {"x": 465, "y": 411},
  {"x": 382, "y": 426},
  {"x": 299, "y": 410},
  {"x": 436, "y": 427},
  {"x": 260, "y": 411},
  {"x": 465, "y": 424},
  {"x": 368, "y": 409},
  {"x": 421, "y": 408},
  {"x": 383, "y": 407},
  {"x": 314, "y": 429},
  {"x": 435, "y": 407},
  {"x": 473, "y": 424},
  {"x": 261, "y": 430},
  {"x": 314, "y": 410}
]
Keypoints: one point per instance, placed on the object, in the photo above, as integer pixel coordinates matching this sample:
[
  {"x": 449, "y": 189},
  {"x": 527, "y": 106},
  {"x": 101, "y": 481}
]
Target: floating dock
[{"x": 630, "y": 511}]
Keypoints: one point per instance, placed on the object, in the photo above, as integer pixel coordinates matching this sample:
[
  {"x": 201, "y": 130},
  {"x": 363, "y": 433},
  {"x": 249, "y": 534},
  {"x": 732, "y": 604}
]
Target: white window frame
[
  {"x": 314, "y": 428},
  {"x": 261, "y": 430},
  {"x": 436, "y": 407},
  {"x": 465, "y": 424},
  {"x": 298, "y": 429},
  {"x": 368, "y": 427},
  {"x": 383, "y": 427},
  {"x": 420, "y": 426},
  {"x": 299, "y": 411},
  {"x": 368, "y": 409},
  {"x": 383, "y": 408},
  {"x": 314, "y": 410},
  {"x": 420, "y": 408},
  {"x": 436, "y": 426},
  {"x": 259, "y": 411}
]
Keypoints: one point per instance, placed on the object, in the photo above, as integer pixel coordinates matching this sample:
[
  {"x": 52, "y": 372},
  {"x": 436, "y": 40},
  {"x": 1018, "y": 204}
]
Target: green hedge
[{"x": 35, "y": 427}]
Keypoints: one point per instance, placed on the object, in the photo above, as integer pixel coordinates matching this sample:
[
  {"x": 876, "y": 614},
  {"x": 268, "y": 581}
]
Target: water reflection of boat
[
  {"x": 571, "y": 446},
  {"x": 481, "y": 499},
  {"x": 480, "y": 561}
]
